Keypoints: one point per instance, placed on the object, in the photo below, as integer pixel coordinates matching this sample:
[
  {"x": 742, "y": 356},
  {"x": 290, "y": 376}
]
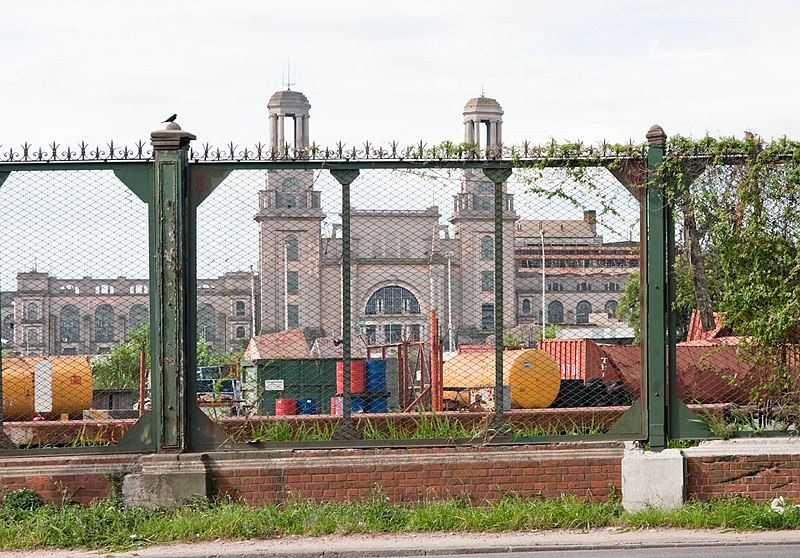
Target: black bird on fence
[{"x": 171, "y": 118}]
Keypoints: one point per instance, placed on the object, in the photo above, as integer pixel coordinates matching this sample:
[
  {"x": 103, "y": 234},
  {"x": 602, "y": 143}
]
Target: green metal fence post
[
  {"x": 498, "y": 177},
  {"x": 173, "y": 288},
  {"x": 346, "y": 428},
  {"x": 654, "y": 295}
]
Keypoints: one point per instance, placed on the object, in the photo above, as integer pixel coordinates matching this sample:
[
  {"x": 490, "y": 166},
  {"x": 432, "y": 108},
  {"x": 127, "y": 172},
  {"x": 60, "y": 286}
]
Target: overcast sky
[{"x": 588, "y": 70}]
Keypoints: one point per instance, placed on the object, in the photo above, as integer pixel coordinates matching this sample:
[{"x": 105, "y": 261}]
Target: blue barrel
[
  {"x": 379, "y": 405},
  {"x": 357, "y": 405},
  {"x": 306, "y": 406},
  {"x": 376, "y": 375}
]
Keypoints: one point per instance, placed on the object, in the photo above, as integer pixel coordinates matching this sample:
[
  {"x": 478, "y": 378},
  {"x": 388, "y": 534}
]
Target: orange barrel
[
  {"x": 531, "y": 374},
  {"x": 285, "y": 407},
  {"x": 358, "y": 377},
  {"x": 337, "y": 405},
  {"x": 46, "y": 386}
]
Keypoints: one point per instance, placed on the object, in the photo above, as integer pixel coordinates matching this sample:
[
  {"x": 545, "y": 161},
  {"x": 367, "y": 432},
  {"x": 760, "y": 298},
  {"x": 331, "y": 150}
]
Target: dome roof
[
  {"x": 289, "y": 99},
  {"x": 484, "y": 105}
]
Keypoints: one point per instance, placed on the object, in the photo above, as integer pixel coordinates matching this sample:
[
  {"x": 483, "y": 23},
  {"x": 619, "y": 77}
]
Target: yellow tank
[
  {"x": 46, "y": 386},
  {"x": 532, "y": 375}
]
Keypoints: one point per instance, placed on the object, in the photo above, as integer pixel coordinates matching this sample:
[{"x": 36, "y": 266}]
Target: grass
[
  {"x": 27, "y": 523},
  {"x": 424, "y": 426}
]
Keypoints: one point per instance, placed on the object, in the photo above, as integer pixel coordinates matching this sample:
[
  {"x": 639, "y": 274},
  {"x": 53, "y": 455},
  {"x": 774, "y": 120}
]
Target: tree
[
  {"x": 628, "y": 307},
  {"x": 120, "y": 368},
  {"x": 746, "y": 211}
]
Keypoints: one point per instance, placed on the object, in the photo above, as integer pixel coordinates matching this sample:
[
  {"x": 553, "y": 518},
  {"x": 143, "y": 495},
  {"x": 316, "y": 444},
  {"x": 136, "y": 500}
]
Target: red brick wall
[
  {"x": 759, "y": 477},
  {"x": 412, "y": 475},
  {"x": 65, "y": 478}
]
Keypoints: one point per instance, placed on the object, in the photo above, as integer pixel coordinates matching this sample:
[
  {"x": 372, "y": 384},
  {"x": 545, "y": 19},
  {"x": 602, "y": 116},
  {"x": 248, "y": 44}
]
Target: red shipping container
[{"x": 578, "y": 359}]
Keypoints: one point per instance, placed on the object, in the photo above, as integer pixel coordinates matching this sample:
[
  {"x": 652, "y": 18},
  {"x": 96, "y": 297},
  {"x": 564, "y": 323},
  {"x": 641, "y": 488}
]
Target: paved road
[
  {"x": 601, "y": 543},
  {"x": 744, "y": 551}
]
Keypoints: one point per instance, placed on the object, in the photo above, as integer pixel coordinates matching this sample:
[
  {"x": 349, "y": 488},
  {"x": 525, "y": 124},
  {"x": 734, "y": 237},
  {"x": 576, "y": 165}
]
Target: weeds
[
  {"x": 27, "y": 523},
  {"x": 423, "y": 426}
]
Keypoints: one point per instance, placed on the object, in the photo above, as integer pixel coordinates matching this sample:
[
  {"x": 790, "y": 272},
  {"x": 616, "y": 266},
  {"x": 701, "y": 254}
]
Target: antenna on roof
[
  {"x": 481, "y": 90},
  {"x": 288, "y": 82}
]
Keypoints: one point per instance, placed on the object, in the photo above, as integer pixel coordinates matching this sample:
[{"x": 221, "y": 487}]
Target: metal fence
[{"x": 193, "y": 297}]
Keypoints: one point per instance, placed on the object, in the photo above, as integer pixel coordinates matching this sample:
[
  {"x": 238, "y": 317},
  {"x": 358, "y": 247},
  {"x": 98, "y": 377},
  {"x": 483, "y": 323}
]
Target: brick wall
[
  {"x": 57, "y": 479},
  {"x": 759, "y": 477},
  {"x": 410, "y": 475}
]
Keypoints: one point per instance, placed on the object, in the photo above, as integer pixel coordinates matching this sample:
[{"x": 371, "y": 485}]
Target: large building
[
  {"x": 48, "y": 315},
  {"x": 404, "y": 263}
]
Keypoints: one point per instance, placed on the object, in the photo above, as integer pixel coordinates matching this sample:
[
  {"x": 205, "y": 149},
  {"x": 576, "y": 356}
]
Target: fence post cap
[
  {"x": 173, "y": 137},
  {"x": 656, "y": 137}
]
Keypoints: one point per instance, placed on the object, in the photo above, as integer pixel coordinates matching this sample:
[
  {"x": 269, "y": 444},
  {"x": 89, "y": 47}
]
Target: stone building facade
[
  {"x": 48, "y": 315},
  {"x": 404, "y": 264}
]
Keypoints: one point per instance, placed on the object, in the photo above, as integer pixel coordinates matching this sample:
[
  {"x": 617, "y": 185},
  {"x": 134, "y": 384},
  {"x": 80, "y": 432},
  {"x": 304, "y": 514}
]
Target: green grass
[
  {"x": 424, "y": 426},
  {"x": 26, "y": 523}
]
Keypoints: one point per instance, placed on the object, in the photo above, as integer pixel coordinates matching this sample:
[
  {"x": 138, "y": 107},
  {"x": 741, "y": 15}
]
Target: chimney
[{"x": 590, "y": 216}]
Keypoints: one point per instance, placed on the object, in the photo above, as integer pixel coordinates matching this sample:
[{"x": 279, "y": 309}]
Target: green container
[{"x": 294, "y": 379}]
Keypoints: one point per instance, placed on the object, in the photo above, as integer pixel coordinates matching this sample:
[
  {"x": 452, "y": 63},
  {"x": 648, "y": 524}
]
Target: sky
[
  {"x": 373, "y": 71},
  {"x": 383, "y": 71}
]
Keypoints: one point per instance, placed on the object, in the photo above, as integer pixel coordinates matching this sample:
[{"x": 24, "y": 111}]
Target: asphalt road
[
  {"x": 744, "y": 551},
  {"x": 599, "y": 543}
]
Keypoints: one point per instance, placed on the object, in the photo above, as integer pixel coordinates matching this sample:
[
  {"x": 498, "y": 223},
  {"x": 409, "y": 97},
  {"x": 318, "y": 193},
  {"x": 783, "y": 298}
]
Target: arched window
[
  {"x": 526, "y": 306},
  {"x": 392, "y": 300},
  {"x": 292, "y": 248},
  {"x": 555, "y": 313},
  {"x": 205, "y": 322},
  {"x": 139, "y": 316},
  {"x": 240, "y": 308},
  {"x": 69, "y": 324},
  {"x": 104, "y": 323},
  {"x": 240, "y": 332},
  {"x": 104, "y": 289},
  {"x": 611, "y": 308},
  {"x": 487, "y": 248},
  {"x": 32, "y": 311},
  {"x": 582, "y": 311}
]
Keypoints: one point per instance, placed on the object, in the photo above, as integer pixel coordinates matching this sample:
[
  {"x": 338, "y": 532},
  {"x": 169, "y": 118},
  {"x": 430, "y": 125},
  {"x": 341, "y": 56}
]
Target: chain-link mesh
[
  {"x": 74, "y": 307},
  {"x": 421, "y": 337},
  {"x": 735, "y": 271}
]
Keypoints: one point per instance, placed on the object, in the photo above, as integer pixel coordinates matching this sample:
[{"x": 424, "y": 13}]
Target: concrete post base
[
  {"x": 167, "y": 481},
  {"x": 653, "y": 480}
]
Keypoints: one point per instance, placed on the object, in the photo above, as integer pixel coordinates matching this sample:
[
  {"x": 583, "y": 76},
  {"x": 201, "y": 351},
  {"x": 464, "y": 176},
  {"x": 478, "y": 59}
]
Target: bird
[{"x": 171, "y": 118}]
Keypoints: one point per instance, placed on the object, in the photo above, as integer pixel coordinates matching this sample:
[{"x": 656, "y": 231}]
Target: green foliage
[
  {"x": 628, "y": 306},
  {"x": 16, "y": 502},
  {"x": 120, "y": 368},
  {"x": 110, "y": 525},
  {"x": 746, "y": 200},
  {"x": 726, "y": 513},
  {"x": 509, "y": 340},
  {"x": 206, "y": 357}
]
